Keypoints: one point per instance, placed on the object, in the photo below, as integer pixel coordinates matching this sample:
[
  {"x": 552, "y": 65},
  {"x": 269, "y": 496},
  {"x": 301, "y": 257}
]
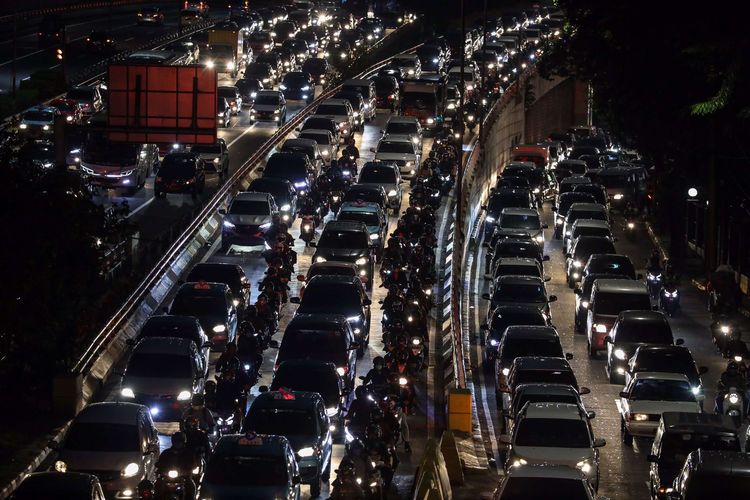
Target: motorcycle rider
[
  {"x": 358, "y": 414},
  {"x": 351, "y": 153},
  {"x": 198, "y": 411},
  {"x": 272, "y": 232},
  {"x": 378, "y": 374},
  {"x": 180, "y": 458},
  {"x": 249, "y": 348},
  {"x": 345, "y": 486},
  {"x": 228, "y": 359},
  {"x": 394, "y": 295},
  {"x": 230, "y": 394},
  {"x": 724, "y": 290},
  {"x": 654, "y": 262},
  {"x": 196, "y": 438},
  {"x": 732, "y": 377},
  {"x": 736, "y": 347},
  {"x": 386, "y": 461}
]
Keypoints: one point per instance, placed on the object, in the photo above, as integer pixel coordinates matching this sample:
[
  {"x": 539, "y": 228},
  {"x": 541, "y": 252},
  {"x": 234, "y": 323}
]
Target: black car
[
  {"x": 431, "y": 57},
  {"x": 564, "y": 203},
  {"x": 712, "y": 474},
  {"x": 584, "y": 247},
  {"x": 504, "y": 316},
  {"x": 274, "y": 60},
  {"x": 260, "y": 71},
  {"x": 583, "y": 297},
  {"x": 167, "y": 325},
  {"x": 231, "y": 275},
  {"x": 347, "y": 241},
  {"x": 322, "y": 337},
  {"x": 249, "y": 88},
  {"x": 298, "y": 47},
  {"x": 294, "y": 167},
  {"x": 504, "y": 198},
  {"x": 387, "y": 91},
  {"x": 367, "y": 192},
  {"x": 213, "y": 305},
  {"x": 311, "y": 39},
  {"x": 317, "y": 67},
  {"x": 39, "y": 154},
  {"x": 351, "y": 302},
  {"x": 100, "y": 42},
  {"x": 180, "y": 173},
  {"x": 298, "y": 85},
  {"x": 53, "y": 484},
  {"x": 524, "y": 247},
  {"x": 610, "y": 263},
  {"x": 283, "y": 193}
]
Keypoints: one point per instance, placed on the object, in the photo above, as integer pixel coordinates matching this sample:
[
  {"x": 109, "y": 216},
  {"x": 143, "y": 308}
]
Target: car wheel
[
  {"x": 315, "y": 488},
  {"x": 361, "y": 350},
  {"x": 326, "y": 475},
  {"x": 627, "y": 438},
  {"x": 592, "y": 351}
]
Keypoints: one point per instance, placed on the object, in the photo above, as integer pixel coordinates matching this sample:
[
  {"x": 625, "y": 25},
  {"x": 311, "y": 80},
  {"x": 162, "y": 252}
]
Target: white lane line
[
  {"x": 128, "y": 39},
  {"x": 247, "y": 129},
  {"x": 55, "y": 66},
  {"x": 141, "y": 207}
]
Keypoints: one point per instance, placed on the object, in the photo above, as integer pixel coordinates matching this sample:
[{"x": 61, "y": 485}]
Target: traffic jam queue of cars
[{"x": 542, "y": 416}]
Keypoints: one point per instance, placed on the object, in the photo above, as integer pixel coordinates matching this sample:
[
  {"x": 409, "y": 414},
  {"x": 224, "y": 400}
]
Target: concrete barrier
[
  {"x": 453, "y": 465},
  {"x": 432, "y": 481}
]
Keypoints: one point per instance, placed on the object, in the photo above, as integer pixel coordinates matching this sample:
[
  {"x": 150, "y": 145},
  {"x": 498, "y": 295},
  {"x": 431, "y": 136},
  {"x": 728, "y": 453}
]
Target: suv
[
  {"x": 248, "y": 217},
  {"x": 537, "y": 481},
  {"x": 39, "y": 120},
  {"x": 386, "y": 175},
  {"x": 163, "y": 373},
  {"x": 372, "y": 215},
  {"x": 535, "y": 392},
  {"x": 301, "y": 418},
  {"x": 404, "y": 125},
  {"x": 214, "y": 156},
  {"x": 555, "y": 433},
  {"x": 562, "y": 205},
  {"x": 590, "y": 227},
  {"x": 366, "y": 88},
  {"x": 400, "y": 150},
  {"x": 520, "y": 291},
  {"x": 503, "y": 198},
  {"x": 347, "y": 241},
  {"x": 341, "y": 112},
  {"x": 88, "y": 97},
  {"x": 582, "y": 211},
  {"x": 503, "y": 317},
  {"x": 118, "y": 165},
  {"x": 231, "y": 275},
  {"x": 580, "y": 251},
  {"x": 117, "y": 442},
  {"x": 213, "y": 305},
  {"x": 184, "y": 327},
  {"x": 612, "y": 264},
  {"x": 326, "y": 141},
  {"x": 307, "y": 147},
  {"x": 180, "y": 173},
  {"x": 583, "y": 298},
  {"x": 670, "y": 359},
  {"x": 53, "y": 484},
  {"x": 294, "y": 167},
  {"x": 523, "y": 219},
  {"x": 608, "y": 299},
  {"x": 519, "y": 266},
  {"x": 269, "y": 105}
]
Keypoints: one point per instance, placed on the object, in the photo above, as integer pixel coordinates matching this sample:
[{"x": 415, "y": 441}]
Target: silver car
[
  {"x": 384, "y": 174},
  {"x": 215, "y": 156}
]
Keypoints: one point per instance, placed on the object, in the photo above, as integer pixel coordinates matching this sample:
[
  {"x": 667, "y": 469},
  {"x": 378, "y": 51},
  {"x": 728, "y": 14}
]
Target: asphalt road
[{"x": 624, "y": 470}]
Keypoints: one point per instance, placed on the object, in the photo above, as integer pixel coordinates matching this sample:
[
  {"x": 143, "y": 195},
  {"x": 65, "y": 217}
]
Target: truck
[
  {"x": 226, "y": 50},
  {"x": 425, "y": 99}
]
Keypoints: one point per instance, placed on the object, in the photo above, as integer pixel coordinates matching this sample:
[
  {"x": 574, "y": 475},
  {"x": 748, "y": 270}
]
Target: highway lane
[{"x": 624, "y": 470}]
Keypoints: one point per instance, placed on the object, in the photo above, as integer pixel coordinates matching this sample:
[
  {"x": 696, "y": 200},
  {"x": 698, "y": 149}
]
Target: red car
[{"x": 69, "y": 109}]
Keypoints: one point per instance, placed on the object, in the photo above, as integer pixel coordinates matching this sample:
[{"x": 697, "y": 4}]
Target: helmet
[
  {"x": 197, "y": 400},
  {"x": 231, "y": 347},
  {"x": 346, "y": 467},
  {"x": 179, "y": 439},
  {"x": 402, "y": 357},
  {"x": 360, "y": 392},
  {"x": 334, "y": 164},
  {"x": 378, "y": 361},
  {"x": 251, "y": 311},
  {"x": 351, "y": 141}
]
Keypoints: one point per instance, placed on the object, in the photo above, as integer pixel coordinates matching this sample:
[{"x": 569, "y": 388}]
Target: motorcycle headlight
[
  {"x": 734, "y": 398},
  {"x": 631, "y": 225},
  {"x": 568, "y": 233},
  {"x": 584, "y": 466},
  {"x": 536, "y": 190},
  {"x": 695, "y": 390},
  {"x": 324, "y": 152},
  {"x": 69, "y": 118},
  {"x": 392, "y": 193},
  {"x": 209, "y": 64},
  {"x": 306, "y": 452},
  {"x": 451, "y": 106},
  {"x": 494, "y": 342},
  {"x": 286, "y": 208},
  {"x": 219, "y": 329},
  {"x": 738, "y": 359},
  {"x": 130, "y": 470},
  {"x": 618, "y": 196},
  {"x": 306, "y": 227},
  {"x": 320, "y": 259},
  {"x": 585, "y": 304},
  {"x": 724, "y": 329},
  {"x": 23, "y": 126},
  {"x": 61, "y": 466},
  {"x": 599, "y": 328},
  {"x": 361, "y": 261},
  {"x": 577, "y": 263},
  {"x": 374, "y": 237},
  {"x": 620, "y": 354},
  {"x": 402, "y": 381},
  {"x": 282, "y": 86},
  {"x": 506, "y": 371},
  {"x": 430, "y": 121},
  {"x": 640, "y": 417},
  {"x": 196, "y": 471},
  {"x": 184, "y": 395},
  {"x": 172, "y": 474},
  {"x": 539, "y": 238},
  {"x": 127, "y": 392},
  {"x": 45, "y": 127}
]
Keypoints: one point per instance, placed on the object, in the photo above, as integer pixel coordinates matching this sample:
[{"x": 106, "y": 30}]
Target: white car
[
  {"x": 339, "y": 110},
  {"x": 327, "y": 144},
  {"x": 554, "y": 434},
  {"x": 404, "y": 125},
  {"x": 410, "y": 62},
  {"x": 537, "y": 481},
  {"x": 400, "y": 150},
  {"x": 647, "y": 396}
]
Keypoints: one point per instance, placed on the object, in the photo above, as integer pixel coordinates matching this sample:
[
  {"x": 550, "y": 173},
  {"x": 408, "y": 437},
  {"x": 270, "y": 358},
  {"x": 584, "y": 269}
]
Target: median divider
[{"x": 432, "y": 481}]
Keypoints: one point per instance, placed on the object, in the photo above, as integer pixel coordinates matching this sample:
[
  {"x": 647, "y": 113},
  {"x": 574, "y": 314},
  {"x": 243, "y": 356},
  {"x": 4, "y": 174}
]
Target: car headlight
[
  {"x": 325, "y": 152},
  {"x": 392, "y": 193},
  {"x": 585, "y": 304},
  {"x": 430, "y": 120},
  {"x": 519, "y": 462},
  {"x": 374, "y": 236},
  {"x": 285, "y": 208},
  {"x": 341, "y": 371},
  {"x": 470, "y": 87},
  {"x": 219, "y": 329},
  {"x": 173, "y": 474},
  {"x": 320, "y": 259},
  {"x": 568, "y": 233},
  {"x": 577, "y": 263},
  {"x": 230, "y": 66},
  {"x": 409, "y": 163},
  {"x": 599, "y": 328},
  {"x": 402, "y": 381},
  {"x": 69, "y": 118},
  {"x": 539, "y": 238},
  {"x": 306, "y": 452},
  {"x": 559, "y": 220},
  {"x": 130, "y": 470},
  {"x": 584, "y": 466},
  {"x": 640, "y": 417},
  {"x": 127, "y": 392},
  {"x": 23, "y": 126},
  {"x": 536, "y": 190},
  {"x": 235, "y": 302},
  {"x": 331, "y": 412},
  {"x": 494, "y": 342},
  {"x": 209, "y": 64},
  {"x": 618, "y": 196},
  {"x": 620, "y": 354},
  {"x": 184, "y": 395},
  {"x": 253, "y": 95},
  {"x": 451, "y": 106},
  {"x": 695, "y": 390},
  {"x": 724, "y": 329},
  {"x": 228, "y": 224},
  {"x": 361, "y": 261},
  {"x": 506, "y": 371},
  {"x": 61, "y": 466},
  {"x": 305, "y": 88}
]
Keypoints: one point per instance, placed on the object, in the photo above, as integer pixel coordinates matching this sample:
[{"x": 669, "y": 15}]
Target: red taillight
[{"x": 158, "y": 179}]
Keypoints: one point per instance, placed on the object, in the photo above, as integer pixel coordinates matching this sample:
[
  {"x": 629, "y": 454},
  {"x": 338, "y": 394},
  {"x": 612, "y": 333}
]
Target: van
[
  {"x": 367, "y": 89},
  {"x": 119, "y": 165},
  {"x": 537, "y": 154},
  {"x": 609, "y": 297}
]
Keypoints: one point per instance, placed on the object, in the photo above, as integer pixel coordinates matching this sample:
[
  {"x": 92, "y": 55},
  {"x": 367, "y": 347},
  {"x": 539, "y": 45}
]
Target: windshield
[
  {"x": 260, "y": 37},
  {"x": 401, "y": 128},
  {"x": 378, "y": 175},
  {"x": 553, "y": 432},
  {"x": 327, "y": 345},
  {"x": 369, "y": 218},
  {"x": 159, "y": 365},
  {"x": 515, "y": 221},
  {"x": 215, "y": 274},
  {"x": 282, "y": 421},
  {"x": 250, "y": 471},
  {"x": 519, "y": 292},
  {"x": 194, "y": 304},
  {"x": 343, "y": 239},
  {"x": 321, "y": 139},
  {"x": 509, "y": 200},
  {"x": 662, "y": 390},
  {"x": 332, "y": 109},
  {"x": 675, "y": 446},
  {"x": 586, "y": 214},
  {"x": 322, "y": 123},
  {"x": 514, "y": 348},
  {"x": 612, "y": 303},
  {"x": 593, "y": 231},
  {"x": 384, "y": 86},
  {"x": 645, "y": 332},
  {"x": 419, "y": 100},
  {"x": 612, "y": 264},
  {"x": 524, "y": 488},
  {"x": 545, "y": 377},
  {"x": 296, "y": 378},
  {"x": 39, "y": 116},
  {"x": 290, "y": 79},
  {"x": 268, "y": 100},
  {"x": 111, "y": 154},
  {"x": 90, "y": 436},
  {"x": 669, "y": 362},
  {"x": 249, "y": 207},
  {"x": 318, "y": 296},
  {"x": 213, "y": 149},
  {"x": 586, "y": 246},
  {"x": 395, "y": 147},
  {"x": 507, "y": 269}
]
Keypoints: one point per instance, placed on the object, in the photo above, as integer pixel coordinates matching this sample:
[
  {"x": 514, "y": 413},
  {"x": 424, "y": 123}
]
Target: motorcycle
[
  {"x": 669, "y": 299},
  {"x": 734, "y": 405},
  {"x": 653, "y": 280},
  {"x": 335, "y": 200},
  {"x": 721, "y": 331},
  {"x": 416, "y": 355},
  {"x": 629, "y": 228},
  {"x": 173, "y": 484},
  {"x": 307, "y": 229}
]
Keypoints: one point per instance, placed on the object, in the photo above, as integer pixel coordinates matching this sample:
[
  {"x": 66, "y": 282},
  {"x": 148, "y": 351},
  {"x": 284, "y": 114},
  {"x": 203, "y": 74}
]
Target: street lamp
[{"x": 692, "y": 192}]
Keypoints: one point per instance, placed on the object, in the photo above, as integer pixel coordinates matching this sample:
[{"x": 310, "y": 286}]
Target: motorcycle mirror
[
  {"x": 486, "y": 296},
  {"x": 584, "y": 390},
  {"x": 590, "y": 414},
  {"x": 545, "y": 258},
  {"x": 552, "y": 298},
  {"x": 263, "y": 388},
  {"x": 568, "y": 356},
  {"x": 702, "y": 370},
  {"x": 273, "y": 343},
  {"x": 222, "y": 211},
  {"x": 679, "y": 342}
]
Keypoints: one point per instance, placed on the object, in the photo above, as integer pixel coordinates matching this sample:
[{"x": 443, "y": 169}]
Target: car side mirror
[
  {"x": 584, "y": 390},
  {"x": 545, "y": 258},
  {"x": 568, "y": 356},
  {"x": 505, "y": 439},
  {"x": 578, "y": 291},
  {"x": 679, "y": 342},
  {"x": 484, "y": 207},
  {"x": 486, "y": 296},
  {"x": 702, "y": 370},
  {"x": 366, "y": 302},
  {"x": 608, "y": 340},
  {"x": 547, "y": 279},
  {"x": 545, "y": 226},
  {"x": 273, "y": 343},
  {"x": 552, "y": 298},
  {"x": 153, "y": 448},
  {"x": 222, "y": 211},
  {"x": 624, "y": 394},
  {"x": 652, "y": 458},
  {"x": 294, "y": 300},
  {"x": 600, "y": 442},
  {"x": 590, "y": 414},
  {"x": 354, "y": 346}
]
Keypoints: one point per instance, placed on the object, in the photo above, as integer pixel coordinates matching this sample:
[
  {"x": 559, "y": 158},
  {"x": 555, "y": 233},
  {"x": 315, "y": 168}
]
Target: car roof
[
  {"x": 530, "y": 332},
  {"x": 642, "y": 316},
  {"x": 591, "y": 223},
  {"x": 587, "y": 207},
  {"x": 677, "y": 421},
  {"x": 519, "y": 279},
  {"x": 659, "y": 376},
  {"x": 720, "y": 462},
  {"x": 252, "y": 195},
  {"x": 620, "y": 286},
  {"x": 345, "y": 225},
  {"x": 519, "y": 211},
  {"x": 546, "y": 471},
  {"x": 541, "y": 363},
  {"x": 656, "y": 348},
  {"x": 111, "y": 412},
  {"x": 164, "y": 345},
  {"x": 563, "y": 411},
  {"x": 268, "y": 445},
  {"x": 327, "y": 279}
]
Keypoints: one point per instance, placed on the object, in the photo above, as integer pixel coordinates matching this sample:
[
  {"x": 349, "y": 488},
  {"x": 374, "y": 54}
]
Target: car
[
  {"x": 167, "y": 325},
  {"x": 387, "y": 91},
  {"x": 523, "y": 340},
  {"x": 677, "y": 435},
  {"x": 284, "y": 30},
  {"x": 610, "y": 263},
  {"x": 231, "y": 275},
  {"x": 233, "y": 97},
  {"x": 223, "y": 112},
  {"x": 582, "y": 211},
  {"x": 189, "y": 17},
  {"x": 317, "y": 122},
  {"x": 213, "y": 305},
  {"x": 215, "y": 156},
  {"x": 283, "y": 192},
  {"x": 269, "y": 105},
  {"x": 525, "y": 219},
  {"x": 583, "y": 298},
  {"x": 298, "y": 47},
  {"x": 373, "y": 28},
  {"x": 598, "y": 192},
  {"x": 387, "y": 175},
  {"x": 504, "y": 198},
  {"x": 555, "y": 433},
  {"x": 404, "y": 125},
  {"x": 261, "y": 466},
  {"x": 180, "y": 173},
  {"x": 512, "y": 181},
  {"x": 712, "y": 474},
  {"x": 367, "y": 89},
  {"x": 288, "y": 57},
  {"x": 537, "y": 481},
  {"x": 317, "y": 67},
  {"x": 293, "y": 167},
  {"x": 308, "y": 147},
  {"x": 568, "y": 184},
  {"x": 116, "y": 442},
  {"x": 311, "y": 39},
  {"x": 249, "y": 88},
  {"x": 339, "y": 51},
  {"x": 69, "y": 109},
  {"x": 647, "y": 396},
  {"x": 355, "y": 38},
  {"x": 608, "y": 298},
  {"x": 100, "y": 42},
  {"x": 150, "y": 15},
  {"x": 409, "y": 62},
  {"x": 351, "y": 302},
  {"x": 632, "y": 329},
  {"x": 246, "y": 219},
  {"x": 39, "y": 121},
  {"x": 119, "y": 166},
  {"x": 519, "y": 290},
  {"x": 563, "y": 203},
  {"x": 667, "y": 358},
  {"x": 53, "y": 484},
  {"x": 263, "y": 72},
  {"x": 515, "y": 244},
  {"x": 341, "y": 112},
  {"x": 327, "y": 143},
  {"x": 358, "y": 106},
  {"x": 163, "y": 373},
  {"x": 322, "y": 337},
  {"x": 40, "y": 154},
  {"x": 520, "y": 266},
  {"x": 316, "y": 376},
  {"x": 298, "y": 85},
  {"x": 372, "y": 215},
  {"x": 590, "y": 227},
  {"x": 581, "y": 249},
  {"x": 540, "y": 392},
  {"x": 502, "y": 317},
  {"x": 542, "y": 186},
  {"x": 347, "y": 241},
  {"x": 400, "y": 150},
  {"x": 431, "y": 58},
  {"x": 301, "y": 418},
  {"x": 260, "y": 42}
]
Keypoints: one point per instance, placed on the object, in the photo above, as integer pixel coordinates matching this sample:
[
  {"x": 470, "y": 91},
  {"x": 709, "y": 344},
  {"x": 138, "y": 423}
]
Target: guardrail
[{"x": 70, "y": 7}]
